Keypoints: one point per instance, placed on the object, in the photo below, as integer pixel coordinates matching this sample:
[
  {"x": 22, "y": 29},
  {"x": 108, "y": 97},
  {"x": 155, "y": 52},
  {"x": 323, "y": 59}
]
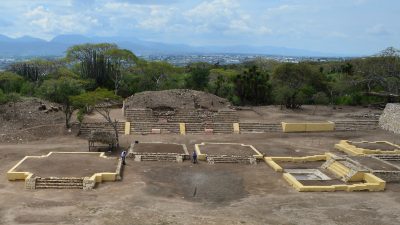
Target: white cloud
[
  {"x": 46, "y": 22},
  {"x": 223, "y": 16},
  {"x": 378, "y": 29}
]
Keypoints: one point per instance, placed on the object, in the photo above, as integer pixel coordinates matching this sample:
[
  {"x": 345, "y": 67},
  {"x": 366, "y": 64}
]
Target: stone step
[
  {"x": 59, "y": 181},
  {"x": 57, "y": 187},
  {"x": 157, "y": 158},
  {"x": 58, "y": 184}
]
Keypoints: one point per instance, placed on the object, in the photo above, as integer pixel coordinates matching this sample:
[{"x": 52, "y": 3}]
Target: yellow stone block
[
  {"x": 308, "y": 126},
  {"x": 127, "y": 127},
  {"x": 182, "y": 128},
  {"x": 236, "y": 128}
]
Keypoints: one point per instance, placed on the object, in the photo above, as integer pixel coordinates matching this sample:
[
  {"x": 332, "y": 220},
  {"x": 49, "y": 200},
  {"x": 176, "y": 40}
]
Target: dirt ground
[
  {"x": 158, "y": 148},
  {"x": 374, "y": 146},
  {"x": 183, "y": 193},
  {"x": 373, "y": 163},
  {"x": 307, "y": 113},
  {"x": 226, "y": 149},
  {"x": 68, "y": 165}
]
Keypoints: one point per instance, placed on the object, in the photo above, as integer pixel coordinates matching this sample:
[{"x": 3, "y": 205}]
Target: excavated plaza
[{"x": 332, "y": 168}]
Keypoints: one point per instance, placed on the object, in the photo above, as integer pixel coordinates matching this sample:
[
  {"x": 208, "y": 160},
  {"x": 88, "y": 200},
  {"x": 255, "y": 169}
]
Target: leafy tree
[
  {"x": 199, "y": 73},
  {"x": 104, "y": 63},
  {"x": 93, "y": 62},
  {"x": 3, "y": 97},
  {"x": 252, "y": 86},
  {"x": 221, "y": 82},
  {"x": 118, "y": 61},
  {"x": 155, "y": 75},
  {"x": 100, "y": 100},
  {"x": 320, "y": 98},
  {"x": 10, "y": 82},
  {"x": 60, "y": 91},
  {"x": 302, "y": 79},
  {"x": 34, "y": 70}
]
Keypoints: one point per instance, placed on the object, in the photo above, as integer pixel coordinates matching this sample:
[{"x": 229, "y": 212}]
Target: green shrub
[{"x": 3, "y": 97}]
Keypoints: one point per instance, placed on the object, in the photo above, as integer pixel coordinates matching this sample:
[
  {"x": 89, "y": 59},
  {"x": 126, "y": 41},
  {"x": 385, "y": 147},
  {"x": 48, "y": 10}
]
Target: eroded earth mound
[{"x": 176, "y": 99}]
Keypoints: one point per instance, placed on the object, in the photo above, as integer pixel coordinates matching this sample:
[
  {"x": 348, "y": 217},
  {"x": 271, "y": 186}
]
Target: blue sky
[{"x": 334, "y": 26}]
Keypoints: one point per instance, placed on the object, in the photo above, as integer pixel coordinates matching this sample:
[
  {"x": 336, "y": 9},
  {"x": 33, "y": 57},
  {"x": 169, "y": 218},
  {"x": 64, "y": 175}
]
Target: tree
[
  {"x": 60, "y": 91},
  {"x": 252, "y": 86},
  {"x": 199, "y": 73},
  {"x": 100, "y": 100},
  {"x": 104, "y": 63},
  {"x": 221, "y": 82},
  {"x": 10, "y": 82},
  {"x": 319, "y": 98},
  {"x": 303, "y": 80},
  {"x": 3, "y": 97},
  {"x": 34, "y": 70},
  {"x": 154, "y": 75},
  {"x": 93, "y": 62},
  {"x": 118, "y": 61}
]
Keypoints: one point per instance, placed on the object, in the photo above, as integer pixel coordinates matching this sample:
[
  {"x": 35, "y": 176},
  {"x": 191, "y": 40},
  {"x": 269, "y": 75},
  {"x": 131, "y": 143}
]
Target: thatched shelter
[{"x": 101, "y": 136}]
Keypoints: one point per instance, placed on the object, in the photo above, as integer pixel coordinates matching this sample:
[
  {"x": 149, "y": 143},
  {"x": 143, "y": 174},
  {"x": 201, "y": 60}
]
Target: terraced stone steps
[
  {"x": 260, "y": 127},
  {"x": 146, "y": 128},
  {"x": 86, "y": 128},
  {"x": 158, "y": 157},
  {"x": 140, "y": 115},
  {"x": 356, "y": 125},
  {"x": 212, "y": 159},
  {"x": 59, "y": 183},
  {"x": 226, "y": 116},
  {"x": 388, "y": 157}
]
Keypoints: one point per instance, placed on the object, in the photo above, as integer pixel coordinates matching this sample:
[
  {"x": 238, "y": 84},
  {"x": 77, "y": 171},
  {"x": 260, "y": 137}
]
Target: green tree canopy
[
  {"x": 10, "y": 82},
  {"x": 302, "y": 79},
  {"x": 60, "y": 91}
]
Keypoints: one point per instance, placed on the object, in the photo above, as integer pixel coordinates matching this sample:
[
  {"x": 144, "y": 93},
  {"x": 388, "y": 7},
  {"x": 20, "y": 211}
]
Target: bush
[
  {"x": 3, "y": 97},
  {"x": 27, "y": 89},
  {"x": 10, "y": 82}
]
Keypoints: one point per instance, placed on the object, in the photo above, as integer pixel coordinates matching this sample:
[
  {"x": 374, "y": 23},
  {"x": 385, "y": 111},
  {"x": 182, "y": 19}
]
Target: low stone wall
[
  {"x": 388, "y": 176},
  {"x": 308, "y": 127},
  {"x": 118, "y": 171},
  {"x": 86, "y": 128},
  {"x": 227, "y": 128},
  {"x": 390, "y": 118}
]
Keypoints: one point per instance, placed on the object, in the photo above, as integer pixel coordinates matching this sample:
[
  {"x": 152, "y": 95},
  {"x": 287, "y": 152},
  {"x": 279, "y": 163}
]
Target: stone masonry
[{"x": 390, "y": 118}]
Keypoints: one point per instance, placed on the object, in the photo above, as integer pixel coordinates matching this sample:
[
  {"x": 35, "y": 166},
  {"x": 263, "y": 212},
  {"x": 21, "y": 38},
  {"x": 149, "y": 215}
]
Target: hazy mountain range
[{"x": 31, "y": 46}]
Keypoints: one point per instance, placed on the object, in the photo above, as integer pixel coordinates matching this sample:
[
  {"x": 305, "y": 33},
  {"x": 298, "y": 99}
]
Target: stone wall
[
  {"x": 390, "y": 118},
  {"x": 388, "y": 176}
]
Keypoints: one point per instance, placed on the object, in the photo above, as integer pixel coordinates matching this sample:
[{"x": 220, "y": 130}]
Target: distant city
[{"x": 185, "y": 59}]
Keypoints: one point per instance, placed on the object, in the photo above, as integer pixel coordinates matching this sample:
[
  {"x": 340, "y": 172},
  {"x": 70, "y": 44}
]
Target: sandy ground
[
  {"x": 68, "y": 165},
  {"x": 173, "y": 193},
  {"x": 158, "y": 148}
]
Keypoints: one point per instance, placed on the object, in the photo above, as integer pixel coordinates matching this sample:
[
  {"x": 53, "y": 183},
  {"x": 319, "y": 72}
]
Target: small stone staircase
[
  {"x": 140, "y": 115},
  {"x": 353, "y": 125},
  {"x": 212, "y": 159},
  {"x": 388, "y": 157},
  {"x": 170, "y": 157},
  {"x": 59, "y": 183},
  {"x": 226, "y": 116},
  {"x": 260, "y": 127}
]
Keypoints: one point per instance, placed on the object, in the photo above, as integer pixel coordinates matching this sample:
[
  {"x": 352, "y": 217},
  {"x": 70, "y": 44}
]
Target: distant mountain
[
  {"x": 28, "y": 39},
  {"x": 31, "y": 46},
  {"x": 4, "y": 38}
]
